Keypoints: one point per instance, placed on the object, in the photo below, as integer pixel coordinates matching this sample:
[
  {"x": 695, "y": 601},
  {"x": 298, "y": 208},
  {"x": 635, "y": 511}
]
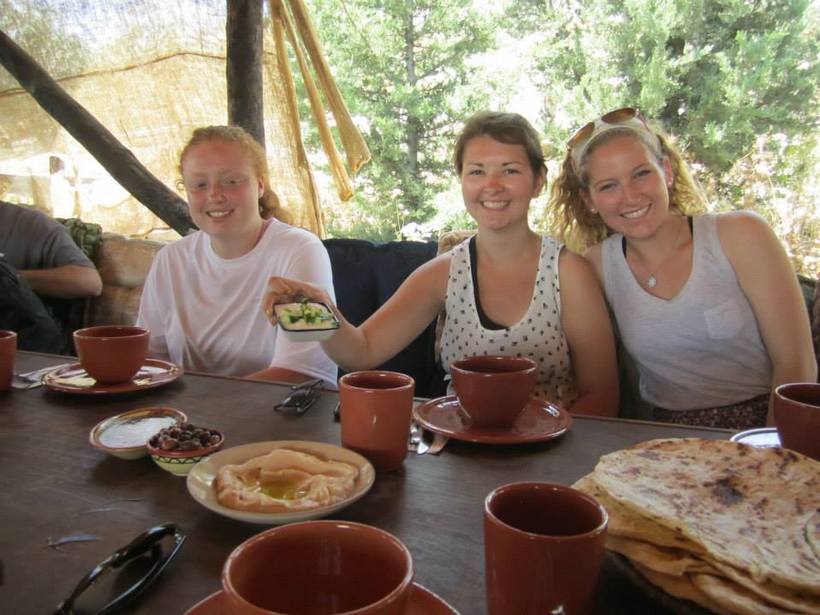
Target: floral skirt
[{"x": 742, "y": 415}]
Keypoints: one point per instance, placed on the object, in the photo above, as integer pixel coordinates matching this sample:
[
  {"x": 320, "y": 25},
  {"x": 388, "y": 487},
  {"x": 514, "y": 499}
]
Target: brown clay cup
[
  {"x": 319, "y": 567},
  {"x": 493, "y": 389},
  {"x": 543, "y": 548},
  {"x": 8, "y": 352},
  {"x": 797, "y": 417},
  {"x": 375, "y": 412},
  {"x": 112, "y": 353}
]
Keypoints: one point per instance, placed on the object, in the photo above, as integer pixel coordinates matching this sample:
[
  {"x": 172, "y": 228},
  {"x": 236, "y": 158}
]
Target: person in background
[
  {"x": 39, "y": 261},
  {"x": 707, "y": 305},
  {"x": 201, "y": 297},
  {"x": 506, "y": 291}
]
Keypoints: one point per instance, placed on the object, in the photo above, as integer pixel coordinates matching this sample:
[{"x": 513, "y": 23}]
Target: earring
[{"x": 593, "y": 211}]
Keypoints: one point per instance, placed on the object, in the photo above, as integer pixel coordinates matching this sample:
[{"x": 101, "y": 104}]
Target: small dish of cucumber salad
[{"x": 307, "y": 321}]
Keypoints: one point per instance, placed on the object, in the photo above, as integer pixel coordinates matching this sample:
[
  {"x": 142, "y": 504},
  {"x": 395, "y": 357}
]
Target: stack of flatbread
[{"x": 731, "y": 527}]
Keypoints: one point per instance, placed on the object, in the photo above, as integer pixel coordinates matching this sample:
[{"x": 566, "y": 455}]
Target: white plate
[
  {"x": 132, "y": 425},
  {"x": 765, "y": 437},
  {"x": 305, "y": 333},
  {"x": 201, "y": 477}
]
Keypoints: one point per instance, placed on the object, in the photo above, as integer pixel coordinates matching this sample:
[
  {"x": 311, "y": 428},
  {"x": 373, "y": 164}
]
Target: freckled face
[
  {"x": 628, "y": 186},
  {"x": 223, "y": 190},
  {"x": 497, "y": 183}
]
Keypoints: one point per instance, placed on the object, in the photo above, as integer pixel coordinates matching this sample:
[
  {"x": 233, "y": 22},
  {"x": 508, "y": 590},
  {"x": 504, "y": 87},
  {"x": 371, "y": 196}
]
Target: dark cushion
[
  {"x": 22, "y": 311},
  {"x": 365, "y": 275}
]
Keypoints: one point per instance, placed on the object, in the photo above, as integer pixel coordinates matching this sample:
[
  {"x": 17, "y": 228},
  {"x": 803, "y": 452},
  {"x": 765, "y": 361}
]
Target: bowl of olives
[{"x": 178, "y": 448}]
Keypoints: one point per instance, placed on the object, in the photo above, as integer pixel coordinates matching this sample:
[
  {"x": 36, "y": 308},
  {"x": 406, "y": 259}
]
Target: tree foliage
[
  {"x": 402, "y": 68},
  {"x": 735, "y": 82}
]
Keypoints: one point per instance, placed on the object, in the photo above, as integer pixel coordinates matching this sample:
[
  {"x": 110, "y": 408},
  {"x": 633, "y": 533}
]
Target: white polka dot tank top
[{"x": 538, "y": 335}]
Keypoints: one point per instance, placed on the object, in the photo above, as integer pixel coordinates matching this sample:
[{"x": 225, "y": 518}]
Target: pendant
[{"x": 652, "y": 282}]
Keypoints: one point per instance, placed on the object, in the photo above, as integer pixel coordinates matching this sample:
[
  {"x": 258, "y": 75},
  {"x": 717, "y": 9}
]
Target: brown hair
[
  {"x": 269, "y": 205},
  {"x": 509, "y": 128},
  {"x": 571, "y": 219}
]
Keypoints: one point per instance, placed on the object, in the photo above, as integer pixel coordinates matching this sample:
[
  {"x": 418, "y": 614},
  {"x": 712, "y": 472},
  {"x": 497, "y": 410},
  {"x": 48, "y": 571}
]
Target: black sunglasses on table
[{"x": 152, "y": 542}]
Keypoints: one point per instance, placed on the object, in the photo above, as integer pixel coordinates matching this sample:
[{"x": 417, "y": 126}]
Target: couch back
[{"x": 365, "y": 275}]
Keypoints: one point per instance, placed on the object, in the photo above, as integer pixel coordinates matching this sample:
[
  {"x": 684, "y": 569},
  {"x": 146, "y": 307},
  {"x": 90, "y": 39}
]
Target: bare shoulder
[
  {"x": 594, "y": 255},
  {"x": 574, "y": 268},
  {"x": 745, "y": 234},
  {"x": 432, "y": 275},
  {"x": 436, "y": 267},
  {"x": 741, "y": 225}
]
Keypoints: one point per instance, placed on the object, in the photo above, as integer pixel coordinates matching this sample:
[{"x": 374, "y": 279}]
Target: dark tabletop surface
[{"x": 55, "y": 484}]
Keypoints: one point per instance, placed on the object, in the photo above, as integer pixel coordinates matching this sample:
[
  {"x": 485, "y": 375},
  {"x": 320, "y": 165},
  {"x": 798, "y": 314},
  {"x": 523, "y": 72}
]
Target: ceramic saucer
[
  {"x": 765, "y": 437},
  {"x": 74, "y": 379},
  {"x": 422, "y": 602},
  {"x": 539, "y": 421}
]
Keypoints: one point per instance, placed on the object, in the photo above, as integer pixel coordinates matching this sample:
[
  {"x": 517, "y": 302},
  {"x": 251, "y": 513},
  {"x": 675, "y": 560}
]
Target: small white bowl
[
  {"x": 302, "y": 331},
  {"x": 179, "y": 462},
  {"x": 126, "y": 435}
]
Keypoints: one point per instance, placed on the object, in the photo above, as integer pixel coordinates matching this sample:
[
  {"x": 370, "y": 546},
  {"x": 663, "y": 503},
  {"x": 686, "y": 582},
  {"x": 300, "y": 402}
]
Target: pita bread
[
  {"x": 681, "y": 587},
  {"x": 733, "y": 598},
  {"x": 746, "y": 507},
  {"x": 631, "y": 524},
  {"x": 674, "y": 562},
  {"x": 679, "y": 563},
  {"x": 284, "y": 480}
]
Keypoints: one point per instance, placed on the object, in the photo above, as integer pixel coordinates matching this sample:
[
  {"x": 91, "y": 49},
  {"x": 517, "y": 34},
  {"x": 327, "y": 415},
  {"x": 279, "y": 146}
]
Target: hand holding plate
[{"x": 284, "y": 290}]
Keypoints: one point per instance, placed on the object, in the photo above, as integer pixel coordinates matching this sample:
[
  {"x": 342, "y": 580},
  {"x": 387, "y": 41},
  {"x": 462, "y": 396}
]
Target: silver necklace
[{"x": 652, "y": 280}]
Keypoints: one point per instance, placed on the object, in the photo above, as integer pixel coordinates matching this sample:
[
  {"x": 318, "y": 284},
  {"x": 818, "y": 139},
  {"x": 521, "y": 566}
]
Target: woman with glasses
[
  {"x": 707, "y": 305},
  {"x": 201, "y": 297},
  {"x": 507, "y": 291}
]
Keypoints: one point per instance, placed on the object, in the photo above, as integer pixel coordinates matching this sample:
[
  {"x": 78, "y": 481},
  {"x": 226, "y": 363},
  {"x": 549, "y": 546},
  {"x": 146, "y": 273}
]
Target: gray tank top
[{"x": 700, "y": 349}]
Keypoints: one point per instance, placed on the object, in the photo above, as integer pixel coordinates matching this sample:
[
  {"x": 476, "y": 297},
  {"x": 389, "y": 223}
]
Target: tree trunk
[
  {"x": 410, "y": 68},
  {"x": 244, "y": 67},
  {"x": 117, "y": 159}
]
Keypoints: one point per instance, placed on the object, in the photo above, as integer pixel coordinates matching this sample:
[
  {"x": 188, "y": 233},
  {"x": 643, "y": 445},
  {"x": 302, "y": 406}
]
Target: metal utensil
[
  {"x": 34, "y": 378},
  {"x": 416, "y": 442},
  {"x": 552, "y": 410},
  {"x": 438, "y": 443}
]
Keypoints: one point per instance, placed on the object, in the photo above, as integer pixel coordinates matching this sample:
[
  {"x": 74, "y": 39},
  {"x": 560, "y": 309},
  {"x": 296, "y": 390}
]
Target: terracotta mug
[
  {"x": 8, "y": 352},
  {"x": 112, "y": 353},
  {"x": 375, "y": 412},
  {"x": 318, "y": 567},
  {"x": 543, "y": 548},
  {"x": 797, "y": 417},
  {"x": 493, "y": 389}
]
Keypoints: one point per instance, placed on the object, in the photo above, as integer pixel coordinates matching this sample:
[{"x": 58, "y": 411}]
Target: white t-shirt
[{"x": 205, "y": 312}]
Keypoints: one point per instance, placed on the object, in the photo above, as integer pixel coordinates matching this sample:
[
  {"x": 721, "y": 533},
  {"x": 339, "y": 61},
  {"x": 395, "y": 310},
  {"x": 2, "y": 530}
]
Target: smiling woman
[
  {"x": 201, "y": 296},
  {"x": 507, "y": 291},
  {"x": 708, "y": 305}
]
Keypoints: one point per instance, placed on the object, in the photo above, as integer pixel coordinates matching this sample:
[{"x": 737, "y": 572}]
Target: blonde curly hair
[
  {"x": 572, "y": 221},
  {"x": 269, "y": 205}
]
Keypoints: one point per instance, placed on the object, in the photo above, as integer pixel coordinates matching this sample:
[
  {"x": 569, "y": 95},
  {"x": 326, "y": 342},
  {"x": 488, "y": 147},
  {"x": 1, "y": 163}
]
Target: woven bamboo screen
[{"x": 151, "y": 71}]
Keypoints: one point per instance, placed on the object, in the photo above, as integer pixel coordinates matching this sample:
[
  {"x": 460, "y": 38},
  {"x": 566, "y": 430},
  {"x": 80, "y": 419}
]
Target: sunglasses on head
[{"x": 619, "y": 116}]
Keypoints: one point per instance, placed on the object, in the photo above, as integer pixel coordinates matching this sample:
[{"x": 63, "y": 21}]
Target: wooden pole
[
  {"x": 244, "y": 66},
  {"x": 117, "y": 159}
]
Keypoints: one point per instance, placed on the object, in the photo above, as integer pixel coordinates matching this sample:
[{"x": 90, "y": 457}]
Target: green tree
[
  {"x": 34, "y": 28},
  {"x": 735, "y": 81},
  {"x": 403, "y": 69}
]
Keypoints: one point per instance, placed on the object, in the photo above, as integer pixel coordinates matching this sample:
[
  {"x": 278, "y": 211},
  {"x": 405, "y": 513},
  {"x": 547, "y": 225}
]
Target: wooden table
[{"x": 54, "y": 484}]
